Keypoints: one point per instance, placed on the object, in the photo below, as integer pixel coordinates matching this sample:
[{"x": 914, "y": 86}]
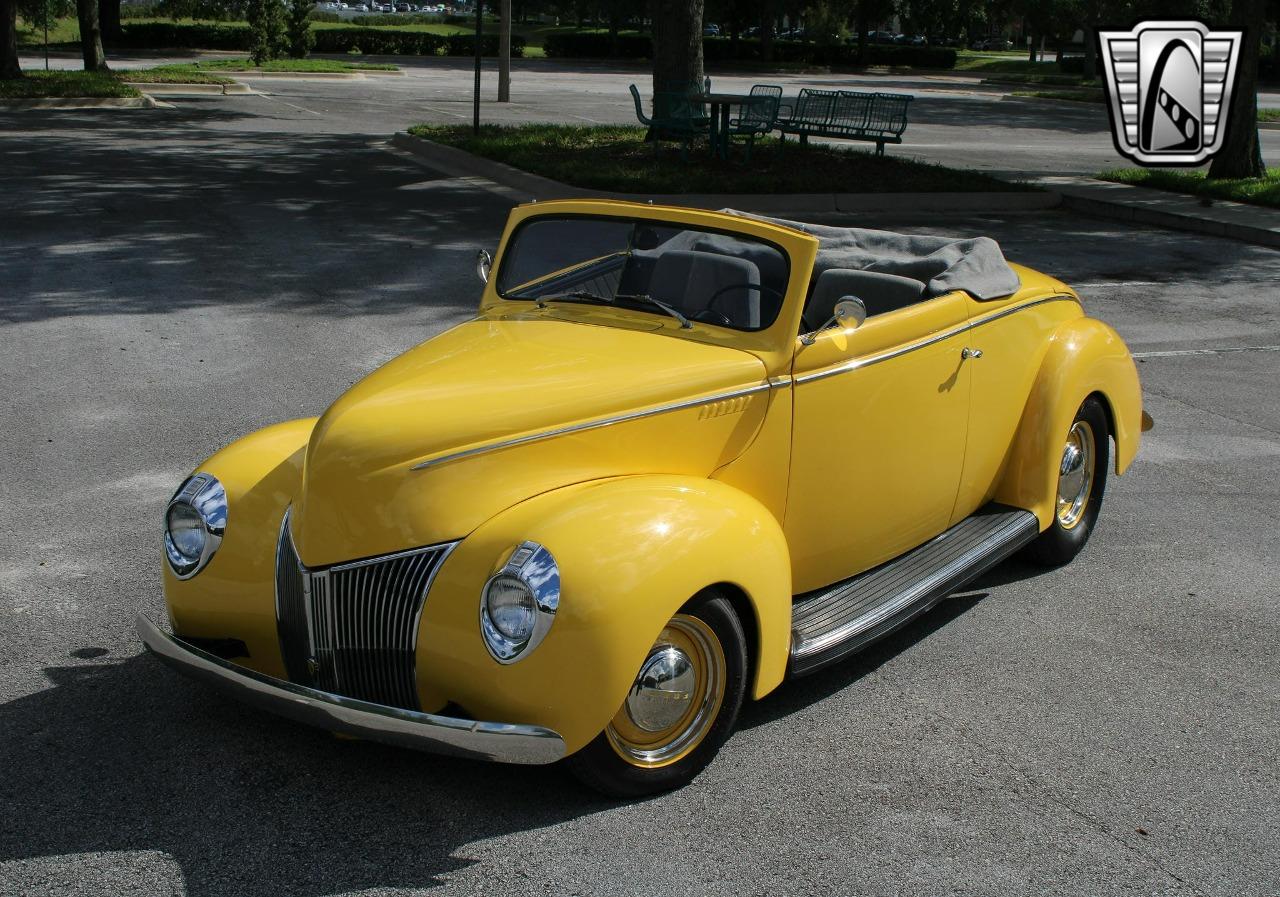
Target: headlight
[
  {"x": 194, "y": 523},
  {"x": 519, "y": 603}
]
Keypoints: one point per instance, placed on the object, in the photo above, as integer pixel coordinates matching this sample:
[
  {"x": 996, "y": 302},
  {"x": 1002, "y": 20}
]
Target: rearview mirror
[
  {"x": 849, "y": 313},
  {"x": 484, "y": 262}
]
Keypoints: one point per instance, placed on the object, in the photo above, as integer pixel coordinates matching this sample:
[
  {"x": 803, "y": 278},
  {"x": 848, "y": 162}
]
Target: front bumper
[{"x": 504, "y": 742}]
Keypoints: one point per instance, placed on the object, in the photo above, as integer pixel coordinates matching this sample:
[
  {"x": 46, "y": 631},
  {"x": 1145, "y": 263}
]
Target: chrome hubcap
[
  {"x": 662, "y": 691},
  {"x": 1075, "y": 474},
  {"x": 675, "y": 698}
]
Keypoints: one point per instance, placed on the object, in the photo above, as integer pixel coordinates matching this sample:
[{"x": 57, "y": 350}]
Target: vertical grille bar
[
  {"x": 291, "y": 619},
  {"x": 363, "y": 622}
]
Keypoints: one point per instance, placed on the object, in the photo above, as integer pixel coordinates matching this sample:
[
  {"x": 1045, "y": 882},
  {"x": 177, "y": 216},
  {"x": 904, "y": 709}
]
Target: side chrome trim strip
[
  {"x": 505, "y": 742},
  {"x": 866, "y": 361},
  {"x": 596, "y": 424}
]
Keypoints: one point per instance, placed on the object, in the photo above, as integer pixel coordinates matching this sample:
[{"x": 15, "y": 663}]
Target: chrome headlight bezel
[
  {"x": 533, "y": 567},
  {"x": 203, "y": 494}
]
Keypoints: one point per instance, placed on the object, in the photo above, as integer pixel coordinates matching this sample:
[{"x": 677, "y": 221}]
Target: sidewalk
[{"x": 1177, "y": 211}]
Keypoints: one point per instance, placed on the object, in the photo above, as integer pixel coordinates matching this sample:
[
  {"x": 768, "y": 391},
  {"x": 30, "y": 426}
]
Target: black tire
[
  {"x": 1060, "y": 543},
  {"x": 601, "y": 767}
]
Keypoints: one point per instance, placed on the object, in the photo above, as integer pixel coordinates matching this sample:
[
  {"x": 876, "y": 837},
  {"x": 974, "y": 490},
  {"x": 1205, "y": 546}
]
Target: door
[{"x": 878, "y": 441}]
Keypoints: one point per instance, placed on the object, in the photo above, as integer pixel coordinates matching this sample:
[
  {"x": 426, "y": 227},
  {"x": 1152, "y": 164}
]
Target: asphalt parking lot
[{"x": 1106, "y": 728}]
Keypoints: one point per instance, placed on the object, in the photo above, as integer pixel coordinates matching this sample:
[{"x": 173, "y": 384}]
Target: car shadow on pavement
[
  {"x": 794, "y": 695},
  {"x": 130, "y": 757}
]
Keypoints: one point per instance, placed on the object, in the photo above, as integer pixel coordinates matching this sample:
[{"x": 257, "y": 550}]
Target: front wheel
[
  {"x": 680, "y": 709},
  {"x": 1082, "y": 478}
]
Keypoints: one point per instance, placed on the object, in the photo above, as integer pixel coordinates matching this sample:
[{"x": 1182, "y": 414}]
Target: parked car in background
[
  {"x": 710, "y": 30},
  {"x": 881, "y": 37},
  {"x": 993, "y": 43},
  {"x": 911, "y": 40},
  {"x": 675, "y": 458}
]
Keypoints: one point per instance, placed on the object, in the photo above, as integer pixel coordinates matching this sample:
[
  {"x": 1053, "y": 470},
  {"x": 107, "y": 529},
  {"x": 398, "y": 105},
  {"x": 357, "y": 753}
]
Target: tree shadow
[{"x": 162, "y": 210}]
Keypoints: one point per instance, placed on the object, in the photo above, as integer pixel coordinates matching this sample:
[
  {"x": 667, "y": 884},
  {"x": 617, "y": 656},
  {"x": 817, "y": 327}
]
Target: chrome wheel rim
[
  {"x": 674, "y": 699},
  {"x": 1075, "y": 474}
]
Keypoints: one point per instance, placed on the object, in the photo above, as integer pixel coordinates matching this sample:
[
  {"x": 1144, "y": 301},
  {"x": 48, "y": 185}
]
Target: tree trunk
[
  {"x": 1031, "y": 46},
  {"x": 862, "y": 31},
  {"x": 677, "y": 45},
  {"x": 1241, "y": 154},
  {"x": 109, "y": 15},
  {"x": 766, "y": 31},
  {"x": 9, "y": 67},
  {"x": 95, "y": 60},
  {"x": 1090, "y": 70}
]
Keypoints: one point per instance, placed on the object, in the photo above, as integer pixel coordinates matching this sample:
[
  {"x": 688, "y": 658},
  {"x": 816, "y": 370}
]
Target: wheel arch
[
  {"x": 1085, "y": 358},
  {"x": 631, "y": 551}
]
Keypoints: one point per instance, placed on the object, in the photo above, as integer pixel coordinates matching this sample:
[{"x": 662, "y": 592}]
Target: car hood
[{"x": 418, "y": 452}]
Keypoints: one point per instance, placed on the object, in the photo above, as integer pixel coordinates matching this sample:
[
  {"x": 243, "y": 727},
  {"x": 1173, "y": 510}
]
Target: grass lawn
[
  {"x": 617, "y": 159},
  {"x": 1257, "y": 191},
  {"x": 1269, "y": 115},
  {"x": 1080, "y": 96},
  {"x": 212, "y": 66},
  {"x": 61, "y": 31},
  {"x": 42, "y": 84}
]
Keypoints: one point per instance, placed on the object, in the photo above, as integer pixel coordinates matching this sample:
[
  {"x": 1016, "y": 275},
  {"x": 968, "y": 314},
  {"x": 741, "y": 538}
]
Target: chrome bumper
[{"x": 504, "y": 742}]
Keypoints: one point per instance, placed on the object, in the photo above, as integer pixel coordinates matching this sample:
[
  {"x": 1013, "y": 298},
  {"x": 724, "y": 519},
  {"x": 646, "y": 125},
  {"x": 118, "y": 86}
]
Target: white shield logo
[{"x": 1169, "y": 90}]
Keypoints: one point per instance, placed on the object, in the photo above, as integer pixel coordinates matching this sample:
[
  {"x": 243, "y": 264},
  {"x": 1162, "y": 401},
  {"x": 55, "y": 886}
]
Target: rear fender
[{"x": 1085, "y": 357}]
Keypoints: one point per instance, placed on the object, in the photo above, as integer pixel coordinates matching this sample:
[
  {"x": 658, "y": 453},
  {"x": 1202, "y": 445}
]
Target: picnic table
[{"x": 720, "y": 104}]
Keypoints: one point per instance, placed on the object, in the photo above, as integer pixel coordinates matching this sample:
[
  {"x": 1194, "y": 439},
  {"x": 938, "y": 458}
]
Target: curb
[
  {"x": 1269, "y": 125},
  {"x": 178, "y": 89},
  {"x": 1174, "y": 211},
  {"x": 1058, "y": 101},
  {"x": 142, "y": 102},
  {"x": 521, "y": 186}
]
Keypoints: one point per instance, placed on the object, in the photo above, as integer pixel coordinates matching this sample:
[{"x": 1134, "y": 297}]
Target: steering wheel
[{"x": 734, "y": 286}]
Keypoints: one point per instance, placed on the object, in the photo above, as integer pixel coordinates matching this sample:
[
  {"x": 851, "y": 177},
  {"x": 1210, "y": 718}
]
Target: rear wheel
[
  {"x": 1082, "y": 478},
  {"x": 680, "y": 709}
]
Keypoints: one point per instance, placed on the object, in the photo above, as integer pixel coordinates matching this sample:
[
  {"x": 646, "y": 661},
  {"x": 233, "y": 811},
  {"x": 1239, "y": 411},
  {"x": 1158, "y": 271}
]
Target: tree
[
  {"x": 266, "y": 30},
  {"x": 95, "y": 59},
  {"x": 301, "y": 40},
  {"x": 1241, "y": 153},
  {"x": 677, "y": 45},
  {"x": 9, "y": 67}
]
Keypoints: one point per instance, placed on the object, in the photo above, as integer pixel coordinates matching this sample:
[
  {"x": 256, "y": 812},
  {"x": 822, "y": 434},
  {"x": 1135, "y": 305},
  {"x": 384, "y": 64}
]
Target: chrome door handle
[{"x": 966, "y": 352}]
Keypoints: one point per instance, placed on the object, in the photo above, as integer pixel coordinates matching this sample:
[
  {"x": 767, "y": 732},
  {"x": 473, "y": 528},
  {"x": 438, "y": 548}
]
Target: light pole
[{"x": 504, "y": 54}]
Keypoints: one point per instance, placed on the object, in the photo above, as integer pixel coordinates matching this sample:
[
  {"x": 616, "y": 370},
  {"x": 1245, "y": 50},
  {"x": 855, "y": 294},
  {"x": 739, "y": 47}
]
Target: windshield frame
[{"x": 637, "y": 221}]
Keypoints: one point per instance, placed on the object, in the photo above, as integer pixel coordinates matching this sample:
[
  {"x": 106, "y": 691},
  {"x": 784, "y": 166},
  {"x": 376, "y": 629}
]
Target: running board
[{"x": 832, "y": 623}]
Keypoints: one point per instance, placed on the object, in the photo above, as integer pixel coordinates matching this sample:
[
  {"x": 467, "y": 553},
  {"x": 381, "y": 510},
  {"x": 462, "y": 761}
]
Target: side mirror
[
  {"x": 484, "y": 262},
  {"x": 849, "y": 313}
]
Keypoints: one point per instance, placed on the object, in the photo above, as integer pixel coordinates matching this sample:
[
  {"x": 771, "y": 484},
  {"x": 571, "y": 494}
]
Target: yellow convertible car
[{"x": 676, "y": 457}]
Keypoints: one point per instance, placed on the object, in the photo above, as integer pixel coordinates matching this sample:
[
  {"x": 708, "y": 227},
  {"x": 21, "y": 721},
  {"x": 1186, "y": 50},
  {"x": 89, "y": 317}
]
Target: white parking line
[{"x": 1172, "y": 353}]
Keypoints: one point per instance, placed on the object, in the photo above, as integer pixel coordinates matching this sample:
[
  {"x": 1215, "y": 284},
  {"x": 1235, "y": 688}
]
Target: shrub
[
  {"x": 329, "y": 18},
  {"x": 1071, "y": 65},
  {"x": 573, "y": 45},
  {"x": 166, "y": 35},
  {"x": 298, "y": 28},
  {"x": 722, "y": 49}
]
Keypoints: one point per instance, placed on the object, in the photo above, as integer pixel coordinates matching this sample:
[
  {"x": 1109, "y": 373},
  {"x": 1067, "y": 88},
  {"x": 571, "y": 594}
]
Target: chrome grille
[{"x": 351, "y": 629}]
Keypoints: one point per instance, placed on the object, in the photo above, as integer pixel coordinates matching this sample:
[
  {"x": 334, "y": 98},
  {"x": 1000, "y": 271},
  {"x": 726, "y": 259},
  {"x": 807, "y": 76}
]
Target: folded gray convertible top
[{"x": 975, "y": 265}]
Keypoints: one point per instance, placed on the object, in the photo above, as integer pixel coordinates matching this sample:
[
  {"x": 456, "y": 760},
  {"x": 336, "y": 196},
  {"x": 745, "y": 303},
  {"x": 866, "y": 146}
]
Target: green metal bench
[{"x": 846, "y": 114}]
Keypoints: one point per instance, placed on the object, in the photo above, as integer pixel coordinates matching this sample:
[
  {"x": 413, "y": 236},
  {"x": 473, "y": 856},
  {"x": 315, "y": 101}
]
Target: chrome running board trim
[{"x": 832, "y": 623}]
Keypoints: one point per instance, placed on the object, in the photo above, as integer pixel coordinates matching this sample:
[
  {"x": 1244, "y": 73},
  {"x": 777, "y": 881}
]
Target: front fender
[
  {"x": 631, "y": 551},
  {"x": 1085, "y": 357},
  {"x": 234, "y": 596}
]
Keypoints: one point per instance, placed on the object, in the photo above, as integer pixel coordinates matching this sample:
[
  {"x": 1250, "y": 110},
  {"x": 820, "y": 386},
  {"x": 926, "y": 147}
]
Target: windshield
[{"x": 728, "y": 280}]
